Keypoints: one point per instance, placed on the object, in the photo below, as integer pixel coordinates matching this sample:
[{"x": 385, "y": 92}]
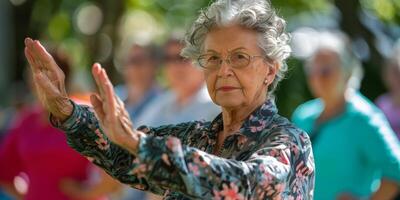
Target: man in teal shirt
[{"x": 353, "y": 144}]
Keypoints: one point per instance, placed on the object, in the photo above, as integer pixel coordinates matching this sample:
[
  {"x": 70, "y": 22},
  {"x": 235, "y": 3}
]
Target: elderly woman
[
  {"x": 247, "y": 152},
  {"x": 354, "y": 146}
]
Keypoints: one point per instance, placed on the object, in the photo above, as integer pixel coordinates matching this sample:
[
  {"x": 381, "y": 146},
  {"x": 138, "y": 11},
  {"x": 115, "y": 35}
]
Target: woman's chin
[{"x": 229, "y": 103}]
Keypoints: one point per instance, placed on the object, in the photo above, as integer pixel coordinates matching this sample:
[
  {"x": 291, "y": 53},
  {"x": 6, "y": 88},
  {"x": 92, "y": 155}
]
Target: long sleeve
[
  {"x": 164, "y": 162},
  {"x": 85, "y": 136},
  {"x": 200, "y": 175}
]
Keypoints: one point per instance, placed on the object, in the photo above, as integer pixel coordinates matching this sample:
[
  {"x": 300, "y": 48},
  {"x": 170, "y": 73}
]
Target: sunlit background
[{"x": 101, "y": 31}]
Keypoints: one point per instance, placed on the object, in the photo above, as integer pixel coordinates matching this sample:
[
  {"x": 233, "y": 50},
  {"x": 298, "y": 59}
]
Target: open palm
[{"x": 49, "y": 81}]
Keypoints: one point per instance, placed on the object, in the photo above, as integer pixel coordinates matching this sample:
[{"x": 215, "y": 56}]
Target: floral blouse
[{"x": 268, "y": 158}]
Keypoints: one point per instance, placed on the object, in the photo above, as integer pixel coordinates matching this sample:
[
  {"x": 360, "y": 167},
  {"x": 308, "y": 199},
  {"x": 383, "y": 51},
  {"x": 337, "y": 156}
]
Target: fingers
[
  {"x": 97, "y": 106},
  {"x": 106, "y": 92},
  {"x": 45, "y": 85},
  {"x": 96, "y": 70},
  {"x": 124, "y": 112},
  {"x": 30, "y": 60},
  {"x": 44, "y": 57},
  {"x": 30, "y": 56},
  {"x": 109, "y": 94},
  {"x": 40, "y": 57}
]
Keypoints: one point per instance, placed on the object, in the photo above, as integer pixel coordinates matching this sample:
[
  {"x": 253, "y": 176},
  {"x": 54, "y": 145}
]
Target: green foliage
[{"x": 55, "y": 20}]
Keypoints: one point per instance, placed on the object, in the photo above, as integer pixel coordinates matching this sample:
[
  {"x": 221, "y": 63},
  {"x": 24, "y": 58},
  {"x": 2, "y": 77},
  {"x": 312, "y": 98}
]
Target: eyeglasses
[{"x": 236, "y": 60}]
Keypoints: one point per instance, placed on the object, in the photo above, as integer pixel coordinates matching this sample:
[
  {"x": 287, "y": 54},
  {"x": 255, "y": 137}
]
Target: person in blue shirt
[
  {"x": 187, "y": 98},
  {"x": 354, "y": 147},
  {"x": 139, "y": 73},
  {"x": 139, "y": 90}
]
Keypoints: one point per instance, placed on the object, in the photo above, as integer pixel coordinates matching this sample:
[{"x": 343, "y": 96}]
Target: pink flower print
[
  {"x": 251, "y": 117},
  {"x": 139, "y": 171},
  {"x": 273, "y": 153},
  {"x": 196, "y": 159},
  {"x": 136, "y": 161},
  {"x": 280, "y": 187},
  {"x": 173, "y": 144},
  {"x": 263, "y": 123},
  {"x": 253, "y": 129},
  {"x": 242, "y": 140},
  {"x": 295, "y": 150},
  {"x": 98, "y": 133},
  {"x": 102, "y": 143},
  {"x": 267, "y": 180},
  {"x": 217, "y": 196},
  {"x": 283, "y": 158},
  {"x": 231, "y": 193},
  {"x": 194, "y": 169},
  {"x": 303, "y": 170}
]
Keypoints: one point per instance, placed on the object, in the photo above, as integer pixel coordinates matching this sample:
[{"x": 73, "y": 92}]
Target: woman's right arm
[{"x": 86, "y": 135}]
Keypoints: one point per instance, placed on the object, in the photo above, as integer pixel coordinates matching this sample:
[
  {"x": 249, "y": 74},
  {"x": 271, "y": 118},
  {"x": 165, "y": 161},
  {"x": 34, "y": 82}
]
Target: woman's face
[
  {"x": 232, "y": 87},
  {"x": 325, "y": 76},
  {"x": 139, "y": 68}
]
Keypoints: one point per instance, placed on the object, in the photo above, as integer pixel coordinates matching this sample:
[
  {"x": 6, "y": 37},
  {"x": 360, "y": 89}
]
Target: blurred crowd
[{"x": 356, "y": 141}]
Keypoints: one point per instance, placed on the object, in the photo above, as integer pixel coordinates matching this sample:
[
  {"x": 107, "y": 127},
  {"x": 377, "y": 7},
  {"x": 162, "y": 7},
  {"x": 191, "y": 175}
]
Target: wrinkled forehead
[{"x": 227, "y": 38}]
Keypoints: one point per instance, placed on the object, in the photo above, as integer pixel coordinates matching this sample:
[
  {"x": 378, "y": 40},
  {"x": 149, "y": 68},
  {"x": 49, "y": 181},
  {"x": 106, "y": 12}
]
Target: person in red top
[{"x": 52, "y": 169}]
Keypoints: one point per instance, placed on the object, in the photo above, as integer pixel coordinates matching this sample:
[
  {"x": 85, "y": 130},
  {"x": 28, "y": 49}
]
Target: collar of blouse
[{"x": 258, "y": 121}]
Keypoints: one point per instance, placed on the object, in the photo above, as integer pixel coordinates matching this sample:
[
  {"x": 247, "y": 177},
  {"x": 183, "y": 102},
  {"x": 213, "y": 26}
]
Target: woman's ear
[{"x": 271, "y": 72}]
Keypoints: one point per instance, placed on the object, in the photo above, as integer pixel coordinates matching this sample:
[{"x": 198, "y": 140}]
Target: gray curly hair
[{"x": 257, "y": 15}]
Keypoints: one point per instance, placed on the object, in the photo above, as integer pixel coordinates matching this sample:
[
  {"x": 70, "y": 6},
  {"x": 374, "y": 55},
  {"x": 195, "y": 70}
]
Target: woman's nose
[{"x": 225, "y": 69}]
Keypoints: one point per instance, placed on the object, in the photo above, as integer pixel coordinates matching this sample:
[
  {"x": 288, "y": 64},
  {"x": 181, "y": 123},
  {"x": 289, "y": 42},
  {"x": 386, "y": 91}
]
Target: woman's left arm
[{"x": 197, "y": 174}]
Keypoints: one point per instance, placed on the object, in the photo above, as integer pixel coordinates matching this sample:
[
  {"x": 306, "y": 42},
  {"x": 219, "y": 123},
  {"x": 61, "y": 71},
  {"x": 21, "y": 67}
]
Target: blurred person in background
[
  {"x": 19, "y": 99},
  {"x": 138, "y": 91},
  {"x": 187, "y": 98},
  {"x": 354, "y": 146},
  {"x": 390, "y": 102},
  {"x": 139, "y": 75},
  {"x": 37, "y": 163}
]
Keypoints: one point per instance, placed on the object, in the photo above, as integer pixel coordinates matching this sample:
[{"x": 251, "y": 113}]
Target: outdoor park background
[{"x": 92, "y": 31}]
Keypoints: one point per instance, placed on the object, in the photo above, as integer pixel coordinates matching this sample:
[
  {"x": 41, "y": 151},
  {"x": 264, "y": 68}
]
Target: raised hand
[
  {"x": 111, "y": 113},
  {"x": 49, "y": 80}
]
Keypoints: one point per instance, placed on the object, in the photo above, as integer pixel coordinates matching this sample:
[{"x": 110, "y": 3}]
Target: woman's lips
[{"x": 227, "y": 88}]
